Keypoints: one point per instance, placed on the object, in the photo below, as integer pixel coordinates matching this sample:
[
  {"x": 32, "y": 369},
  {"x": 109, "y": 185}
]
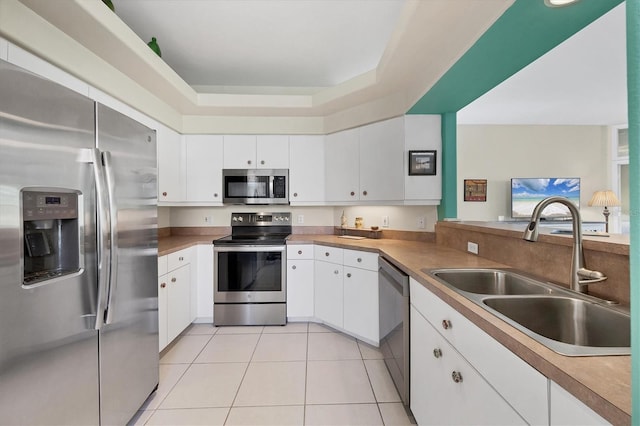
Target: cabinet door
[
  {"x": 204, "y": 296},
  {"x": 328, "y": 293},
  {"x": 171, "y": 182},
  {"x": 204, "y": 168},
  {"x": 300, "y": 288},
  {"x": 272, "y": 152},
  {"x": 438, "y": 399},
  {"x": 179, "y": 301},
  {"x": 162, "y": 310},
  {"x": 342, "y": 166},
  {"x": 361, "y": 304},
  {"x": 381, "y": 161},
  {"x": 306, "y": 169},
  {"x": 239, "y": 152},
  {"x": 565, "y": 409}
]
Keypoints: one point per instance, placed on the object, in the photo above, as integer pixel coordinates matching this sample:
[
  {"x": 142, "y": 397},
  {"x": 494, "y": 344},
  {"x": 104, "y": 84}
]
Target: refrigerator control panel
[{"x": 37, "y": 205}]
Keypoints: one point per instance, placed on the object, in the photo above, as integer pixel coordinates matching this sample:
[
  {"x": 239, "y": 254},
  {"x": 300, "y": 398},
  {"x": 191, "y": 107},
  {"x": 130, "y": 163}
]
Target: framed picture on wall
[
  {"x": 475, "y": 190},
  {"x": 422, "y": 163}
]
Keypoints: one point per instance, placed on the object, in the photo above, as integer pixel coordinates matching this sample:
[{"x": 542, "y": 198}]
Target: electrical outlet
[
  {"x": 472, "y": 247},
  {"x": 385, "y": 221},
  {"x": 421, "y": 222},
  {"x": 300, "y": 218},
  {"x": 208, "y": 219}
]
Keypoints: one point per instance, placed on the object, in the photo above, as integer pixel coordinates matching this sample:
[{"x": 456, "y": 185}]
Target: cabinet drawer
[
  {"x": 361, "y": 259},
  {"x": 178, "y": 259},
  {"x": 300, "y": 251},
  {"x": 522, "y": 385},
  {"x": 328, "y": 254},
  {"x": 163, "y": 265}
]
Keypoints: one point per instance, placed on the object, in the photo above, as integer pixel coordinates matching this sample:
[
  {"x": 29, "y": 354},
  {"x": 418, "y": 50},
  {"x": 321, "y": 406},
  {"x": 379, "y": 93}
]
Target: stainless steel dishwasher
[{"x": 394, "y": 324}]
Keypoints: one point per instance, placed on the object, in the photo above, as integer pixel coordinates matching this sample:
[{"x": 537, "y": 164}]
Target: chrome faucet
[{"x": 580, "y": 275}]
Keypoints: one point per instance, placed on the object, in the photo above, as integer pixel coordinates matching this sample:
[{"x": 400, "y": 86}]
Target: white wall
[
  {"x": 498, "y": 153},
  {"x": 400, "y": 217}
]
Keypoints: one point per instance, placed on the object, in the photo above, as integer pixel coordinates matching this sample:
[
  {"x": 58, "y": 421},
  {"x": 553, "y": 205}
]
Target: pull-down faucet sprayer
[{"x": 580, "y": 275}]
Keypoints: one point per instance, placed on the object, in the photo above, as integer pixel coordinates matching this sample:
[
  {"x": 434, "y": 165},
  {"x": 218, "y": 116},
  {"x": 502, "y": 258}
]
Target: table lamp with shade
[{"x": 605, "y": 199}]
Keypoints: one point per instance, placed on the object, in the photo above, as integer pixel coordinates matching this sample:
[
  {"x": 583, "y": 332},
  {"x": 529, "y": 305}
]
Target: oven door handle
[{"x": 248, "y": 248}]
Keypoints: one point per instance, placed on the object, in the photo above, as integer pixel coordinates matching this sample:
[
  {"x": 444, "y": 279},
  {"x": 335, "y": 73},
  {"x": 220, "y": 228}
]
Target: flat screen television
[{"x": 527, "y": 192}]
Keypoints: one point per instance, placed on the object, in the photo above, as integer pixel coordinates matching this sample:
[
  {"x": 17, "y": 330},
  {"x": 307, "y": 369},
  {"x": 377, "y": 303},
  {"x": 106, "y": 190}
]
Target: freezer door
[
  {"x": 48, "y": 348},
  {"x": 129, "y": 338}
]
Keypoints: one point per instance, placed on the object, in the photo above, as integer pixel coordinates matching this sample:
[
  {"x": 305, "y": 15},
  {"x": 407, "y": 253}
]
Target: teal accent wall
[
  {"x": 448, "y": 207},
  {"x": 526, "y": 31},
  {"x": 633, "y": 96}
]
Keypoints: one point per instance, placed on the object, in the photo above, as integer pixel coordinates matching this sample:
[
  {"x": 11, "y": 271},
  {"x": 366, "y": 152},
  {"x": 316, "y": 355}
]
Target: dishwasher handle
[{"x": 398, "y": 279}]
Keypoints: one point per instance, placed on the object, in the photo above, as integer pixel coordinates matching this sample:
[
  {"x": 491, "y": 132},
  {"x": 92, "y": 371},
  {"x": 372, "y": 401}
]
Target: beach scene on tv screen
[{"x": 527, "y": 192}]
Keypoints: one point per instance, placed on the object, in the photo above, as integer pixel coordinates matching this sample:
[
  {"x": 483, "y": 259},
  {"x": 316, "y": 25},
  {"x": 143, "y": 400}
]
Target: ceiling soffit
[
  {"x": 526, "y": 31},
  {"x": 430, "y": 36}
]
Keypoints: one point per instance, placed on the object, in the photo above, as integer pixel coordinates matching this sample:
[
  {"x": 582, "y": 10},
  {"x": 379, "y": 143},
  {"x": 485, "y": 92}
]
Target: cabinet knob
[
  {"x": 181, "y": 258},
  {"x": 336, "y": 272},
  {"x": 326, "y": 253},
  {"x": 164, "y": 194},
  {"x": 446, "y": 324},
  {"x": 248, "y": 161},
  {"x": 173, "y": 280},
  {"x": 262, "y": 162},
  {"x": 456, "y": 377},
  {"x": 299, "y": 251},
  {"x": 215, "y": 195},
  {"x": 349, "y": 275},
  {"x": 353, "y": 193},
  {"x": 293, "y": 267},
  {"x": 364, "y": 193},
  {"x": 295, "y": 194},
  {"x": 437, "y": 352},
  {"x": 359, "y": 260},
  {"x": 163, "y": 285}
]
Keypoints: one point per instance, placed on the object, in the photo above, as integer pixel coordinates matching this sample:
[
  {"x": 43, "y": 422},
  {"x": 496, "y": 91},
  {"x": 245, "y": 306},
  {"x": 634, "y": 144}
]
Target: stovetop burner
[{"x": 257, "y": 229}]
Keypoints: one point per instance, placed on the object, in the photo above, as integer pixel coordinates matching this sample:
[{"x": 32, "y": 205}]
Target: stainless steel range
[{"x": 250, "y": 270}]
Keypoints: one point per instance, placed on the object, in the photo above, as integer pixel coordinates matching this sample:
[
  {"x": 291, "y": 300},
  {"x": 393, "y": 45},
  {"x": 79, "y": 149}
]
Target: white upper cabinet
[
  {"x": 366, "y": 164},
  {"x": 171, "y": 181},
  {"x": 272, "y": 152},
  {"x": 342, "y": 169},
  {"x": 423, "y": 132},
  {"x": 306, "y": 169},
  {"x": 381, "y": 160},
  {"x": 4, "y": 45},
  {"x": 204, "y": 168},
  {"x": 239, "y": 152},
  {"x": 256, "y": 152}
]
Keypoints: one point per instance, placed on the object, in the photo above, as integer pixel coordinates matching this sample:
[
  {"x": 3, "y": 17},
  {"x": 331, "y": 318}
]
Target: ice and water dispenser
[{"x": 51, "y": 229}]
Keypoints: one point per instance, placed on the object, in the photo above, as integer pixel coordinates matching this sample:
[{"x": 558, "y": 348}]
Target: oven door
[{"x": 249, "y": 274}]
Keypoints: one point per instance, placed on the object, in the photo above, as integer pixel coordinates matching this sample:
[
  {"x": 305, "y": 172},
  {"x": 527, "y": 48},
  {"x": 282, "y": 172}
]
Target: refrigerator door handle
[
  {"x": 103, "y": 234},
  {"x": 113, "y": 228}
]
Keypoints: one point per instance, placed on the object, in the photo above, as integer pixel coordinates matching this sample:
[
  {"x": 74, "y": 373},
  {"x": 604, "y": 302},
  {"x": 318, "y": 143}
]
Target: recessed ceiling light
[{"x": 559, "y": 3}]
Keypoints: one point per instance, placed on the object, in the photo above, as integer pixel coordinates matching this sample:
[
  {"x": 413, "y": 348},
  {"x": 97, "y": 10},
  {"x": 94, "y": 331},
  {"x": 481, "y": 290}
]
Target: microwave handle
[{"x": 271, "y": 186}]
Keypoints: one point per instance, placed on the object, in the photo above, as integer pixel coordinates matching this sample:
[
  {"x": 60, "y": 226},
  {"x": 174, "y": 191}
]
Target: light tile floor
[{"x": 299, "y": 374}]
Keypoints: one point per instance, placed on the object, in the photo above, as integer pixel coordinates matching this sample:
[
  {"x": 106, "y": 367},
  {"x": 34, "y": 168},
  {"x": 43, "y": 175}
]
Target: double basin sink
[{"x": 565, "y": 321}]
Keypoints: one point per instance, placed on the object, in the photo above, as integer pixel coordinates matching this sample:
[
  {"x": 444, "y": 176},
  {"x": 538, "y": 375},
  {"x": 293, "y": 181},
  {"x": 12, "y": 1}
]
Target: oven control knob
[
  {"x": 234, "y": 219},
  {"x": 286, "y": 218},
  {"x": 240, "y": 219},
  {"x": 277, "y": 218}
]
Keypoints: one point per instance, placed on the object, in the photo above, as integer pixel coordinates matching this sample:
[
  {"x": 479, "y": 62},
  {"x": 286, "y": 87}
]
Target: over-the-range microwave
[{"x": 255, "y": 186}]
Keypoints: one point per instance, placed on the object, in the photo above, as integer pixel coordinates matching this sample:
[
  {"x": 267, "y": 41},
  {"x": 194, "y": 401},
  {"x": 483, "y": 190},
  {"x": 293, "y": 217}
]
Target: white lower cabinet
[
  {"x": 565, "y": 409},
  {"x": 203, "y": 298},
  {"x": 174, "y": 295},
  {"x": 328, "y": 293},
  {"x": 300, "y": 270},
  {"x": 346, "y": 291},
  {"x": 517, "y": 384},
  {"x": 446, "y": 389}
]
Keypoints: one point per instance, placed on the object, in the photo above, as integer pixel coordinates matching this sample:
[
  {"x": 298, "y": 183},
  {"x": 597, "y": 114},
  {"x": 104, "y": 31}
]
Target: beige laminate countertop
[
  {"x": 167, "y": 245},
  {"x": 603, "y": 383}
]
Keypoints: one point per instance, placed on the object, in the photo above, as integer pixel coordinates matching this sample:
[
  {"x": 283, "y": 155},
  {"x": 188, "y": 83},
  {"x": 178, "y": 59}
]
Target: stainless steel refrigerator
[{"x": 78, "y": 257}]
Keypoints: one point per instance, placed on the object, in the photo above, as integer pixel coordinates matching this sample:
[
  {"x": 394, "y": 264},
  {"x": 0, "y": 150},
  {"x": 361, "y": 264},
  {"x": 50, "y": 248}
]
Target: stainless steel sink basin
[
  {"x": 572, "y": 325},
  {"x": 491, "y": 281},
  {"x": 565, "y": 321}
]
